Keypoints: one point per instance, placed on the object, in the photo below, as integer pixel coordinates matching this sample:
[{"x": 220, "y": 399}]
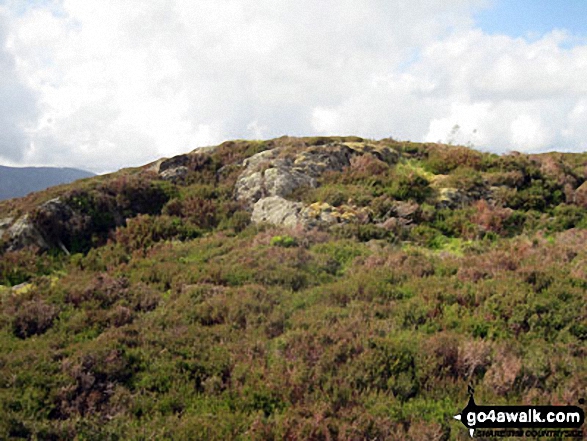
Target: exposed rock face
[
  {"x": 171, "y": 163},
  {"x": 173, "y": 169},
  {"x": 406, "y": 211},
  {"x": 44, "y": 232},
  {"x": 279, "y": 211},
  {"x": 56, "y": 209},
  {"x": 266, "y": 174},
  {"x": 51, "y": 219},
  {"x": 277, "y": 173},
  {"x": 24, "y": 234},
  {"x": 174, "y": 174},
  {"x": 271, "y": 176},
  {"x": 331, "y": 157},
  {"x": 4, "y": 224}
]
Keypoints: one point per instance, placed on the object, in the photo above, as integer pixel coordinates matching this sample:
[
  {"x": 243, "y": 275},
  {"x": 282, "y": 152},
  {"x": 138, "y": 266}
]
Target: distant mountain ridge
[{"x": 19, "y": 181}]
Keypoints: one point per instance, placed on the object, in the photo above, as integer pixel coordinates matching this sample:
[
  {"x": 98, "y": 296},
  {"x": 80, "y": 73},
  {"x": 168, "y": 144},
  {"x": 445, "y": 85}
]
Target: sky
[
  {"x": 533, "y": 18},
  {"x": 105, "y": 84}
]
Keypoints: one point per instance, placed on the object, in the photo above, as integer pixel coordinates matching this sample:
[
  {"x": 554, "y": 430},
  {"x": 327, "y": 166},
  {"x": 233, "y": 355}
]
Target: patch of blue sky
[
  {"x": 532, "y": 19},
  {"x": 19, "y": 7},
  {"x": 413, "y": 55}
]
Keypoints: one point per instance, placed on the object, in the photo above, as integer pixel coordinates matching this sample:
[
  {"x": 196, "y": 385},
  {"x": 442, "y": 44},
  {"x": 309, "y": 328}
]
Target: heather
[{"x": 160, "y": 309}]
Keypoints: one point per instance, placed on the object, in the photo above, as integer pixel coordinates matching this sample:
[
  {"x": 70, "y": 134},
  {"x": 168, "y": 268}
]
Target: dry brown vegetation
[{"x": 175, "y": 318}]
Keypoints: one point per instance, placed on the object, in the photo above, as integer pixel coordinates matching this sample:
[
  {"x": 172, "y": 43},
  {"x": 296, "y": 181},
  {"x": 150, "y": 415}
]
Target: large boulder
[
  {"x": 22, "y": 234},
  {"x": 53, "y": 220},
  {"x": 172, "y": 169},
  {"x": 174, "y": 174},
  {"x": 278, "y": 172},
  {"x": 278, "y": 211},
  {"x": 267, "y": 174},
  {"x": 56, "y": 209},
  {"x": 43, "y": 228},
  {"x": 171, "y": 163}
]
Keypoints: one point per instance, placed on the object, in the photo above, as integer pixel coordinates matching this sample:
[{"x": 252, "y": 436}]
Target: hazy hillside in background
[{"x": 20, "y": 181}]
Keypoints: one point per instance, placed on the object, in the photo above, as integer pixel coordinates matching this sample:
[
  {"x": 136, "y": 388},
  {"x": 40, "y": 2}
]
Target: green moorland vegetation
[{"x": 175, "y": 317}]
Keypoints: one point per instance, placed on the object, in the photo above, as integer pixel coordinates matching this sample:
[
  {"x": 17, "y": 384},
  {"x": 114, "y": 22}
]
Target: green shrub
[
  {"x": 20, "y": 266},
  {"x": 238, "y": 221},
  {"x": 33, "y": 317},
  {"x": 465, "y": 179},
  {"x": 455, "y": 223},
  {"x": 446, "y": 158},
  {"x": 361, "y": 232},
  {"x": 144, "y": 231},
  {"x": 427, "y": 236},
  {"x": 388, "y": 365},
  {"x": 407, "y": 183},
  {"x": 283, "y": 241}
]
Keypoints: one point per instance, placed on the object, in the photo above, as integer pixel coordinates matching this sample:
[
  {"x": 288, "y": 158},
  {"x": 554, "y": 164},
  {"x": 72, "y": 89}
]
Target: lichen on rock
[
  {"x": 271, "y": 176},
  {"x": 279, "y": 211}
]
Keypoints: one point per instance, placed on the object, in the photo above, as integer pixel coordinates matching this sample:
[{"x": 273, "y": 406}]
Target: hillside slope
[
  {"x": 20, "y": 181},
  {"x": 296, "y": 288}
]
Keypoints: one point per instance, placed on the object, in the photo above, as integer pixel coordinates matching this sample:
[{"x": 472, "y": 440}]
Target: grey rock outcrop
[
  {"x": 172, "y": 169},
  {"x": 405, "y": 210},
  {"x": 23, "y": 233},
  {"x": 50, "y": 217},
  {"x": 5, "y": 224},
  {"x": 174, "y": 174},
  {"x": 266, "y": 174},
  {"x": 56, "y": 209},
  {"x": 278, "y": 172},
  {"x": 271, "y": 176},
  {"x": 278, "y": 211},
  {"x": 175, "y": 162}
]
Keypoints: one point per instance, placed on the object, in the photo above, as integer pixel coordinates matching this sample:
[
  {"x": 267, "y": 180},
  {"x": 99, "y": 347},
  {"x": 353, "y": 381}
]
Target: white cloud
[
  {"x": 528, "y": 131},
  {"x": 105, "y": 84},
  {"x": 18, "y": 103},
  {"x": 325, "y": 120},
  {"x": 462, "y": 125},
  {"x": 517, "y": 94}
]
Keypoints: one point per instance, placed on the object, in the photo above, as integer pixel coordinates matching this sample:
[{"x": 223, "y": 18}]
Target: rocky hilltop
[
  {"x": 295, "y": 288},
  {"x": 306, "y": 182}
]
